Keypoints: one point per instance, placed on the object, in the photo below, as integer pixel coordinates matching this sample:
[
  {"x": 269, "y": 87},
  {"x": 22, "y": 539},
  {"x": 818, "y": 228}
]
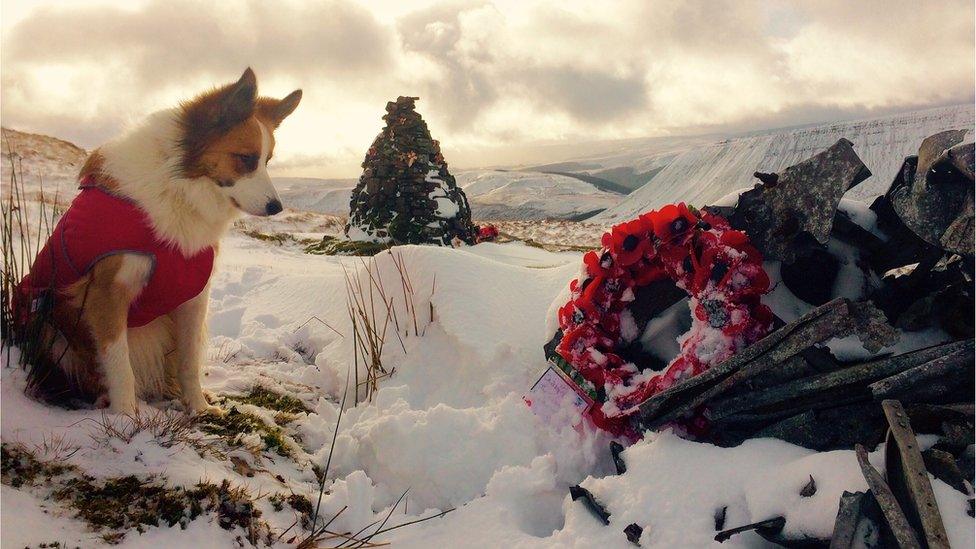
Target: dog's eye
[{"x": 247, "y": 162}]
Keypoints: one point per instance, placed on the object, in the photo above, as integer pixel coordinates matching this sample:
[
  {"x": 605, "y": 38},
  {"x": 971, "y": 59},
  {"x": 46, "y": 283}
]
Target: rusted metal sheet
[
  {"x": 900, "y": 528},
  {"x": 908, "y": 478}
]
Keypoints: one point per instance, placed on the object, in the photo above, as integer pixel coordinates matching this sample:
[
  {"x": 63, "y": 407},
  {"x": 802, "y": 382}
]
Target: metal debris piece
[
  {"x": 871, "y": 326},
  {"x": 858, "y": 522},
  {"x": 578, "y": 492},
  {"x": 933, "y": 192},
  {"x": 928, "y": 418},
  {"x": 720, "y": 518},
  {"x": 932, "y": 380},
  {"x": 827, "y": 429},
  {"x": 816, "y": 326},
  {"x": 895, "y": 518},
  {"x": 908, "y": 478},
  {"x": 633, "y": 533},
  {"x": 809, "y": 489},
  {"x": 943, "y": 467},
  {"x": 796, "y": 208},
  {"x": 771, "y": 526},
  {"x": 967, "y": 462},
  {"x": 618, "y": 461},
  {"x": 850, "y": 381},
  {"x": 956, "y": 436}
]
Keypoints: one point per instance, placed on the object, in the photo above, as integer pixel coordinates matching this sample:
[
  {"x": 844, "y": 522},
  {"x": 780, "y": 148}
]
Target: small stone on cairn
[{"x": 406, "y": 195}]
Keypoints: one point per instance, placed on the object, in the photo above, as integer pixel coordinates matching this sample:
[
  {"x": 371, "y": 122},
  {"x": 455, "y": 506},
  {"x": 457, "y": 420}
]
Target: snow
[
  {"x": 446, "y": 208},
  {"x": 701, "y": 173},
  {"x": 449, "y": 425},
  {"x": 496, "y": 194}
]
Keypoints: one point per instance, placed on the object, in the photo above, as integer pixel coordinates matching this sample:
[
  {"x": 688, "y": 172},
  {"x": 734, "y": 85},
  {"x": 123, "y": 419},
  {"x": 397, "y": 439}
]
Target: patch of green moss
[
  {"x": 115, "y": 505},
  {"x": 129, "y": 502},
  {"x": 298, "y": 502},
  {"x": 20, "y": 467},
  {"x": 235, "y": 423},
  {"x": 556, "y": 247},
  {"x": 126, "y": 503},
  {"x": 276, "y": 238},
  {"x": 331, "y": 245},
  {"x": 265, "y": 398}
]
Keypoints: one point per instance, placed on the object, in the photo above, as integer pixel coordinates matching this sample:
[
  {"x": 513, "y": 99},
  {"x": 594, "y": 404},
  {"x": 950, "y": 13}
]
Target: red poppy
[
  {"x": 734, "y": 238},
  {"x": 628, "y": 242},
  {"x": 593, "y": 265},
  {"x": 673, "y": 223},
  {"x": 648, "y": 271}
]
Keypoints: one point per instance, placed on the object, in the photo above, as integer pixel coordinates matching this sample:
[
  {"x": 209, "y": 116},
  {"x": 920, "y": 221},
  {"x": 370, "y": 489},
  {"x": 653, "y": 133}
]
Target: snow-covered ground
[{"x": 448, "y": 426}]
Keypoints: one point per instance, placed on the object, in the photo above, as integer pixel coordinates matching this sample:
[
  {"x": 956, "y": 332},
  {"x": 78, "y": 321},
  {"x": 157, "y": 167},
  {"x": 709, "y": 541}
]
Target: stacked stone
[{"x": 406, "y": 195}]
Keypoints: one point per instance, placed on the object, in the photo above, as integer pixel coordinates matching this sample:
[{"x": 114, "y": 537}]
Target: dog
[{"x": 118, "y": 296}]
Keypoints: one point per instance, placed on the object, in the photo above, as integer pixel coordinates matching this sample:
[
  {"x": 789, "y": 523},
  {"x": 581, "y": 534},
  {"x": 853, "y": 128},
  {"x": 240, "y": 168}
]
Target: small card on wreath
[{"x": 554, "y": 392}]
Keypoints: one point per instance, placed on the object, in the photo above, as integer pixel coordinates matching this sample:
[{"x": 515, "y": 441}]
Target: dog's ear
[
  {"x": 237, "y": 103},
  {"x": 276, "y": 110},
  {"x": 222, "y": 108}
]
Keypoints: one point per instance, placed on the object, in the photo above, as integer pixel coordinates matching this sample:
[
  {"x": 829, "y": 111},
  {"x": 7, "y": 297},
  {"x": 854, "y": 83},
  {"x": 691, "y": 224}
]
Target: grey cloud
[
  {"x": 588, "y": 95},
  {"x": 134, "y": 54},
  {"x": 173, "y": 39},
  {"x": 466, "y": 87}
]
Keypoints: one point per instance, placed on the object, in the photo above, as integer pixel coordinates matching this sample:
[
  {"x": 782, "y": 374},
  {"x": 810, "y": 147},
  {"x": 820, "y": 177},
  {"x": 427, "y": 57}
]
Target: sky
[{"x": 499, "y": 80}]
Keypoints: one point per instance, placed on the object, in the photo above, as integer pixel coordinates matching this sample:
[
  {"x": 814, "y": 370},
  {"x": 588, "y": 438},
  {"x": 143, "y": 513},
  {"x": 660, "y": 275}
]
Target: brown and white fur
[{"x": 192, "y": 168}]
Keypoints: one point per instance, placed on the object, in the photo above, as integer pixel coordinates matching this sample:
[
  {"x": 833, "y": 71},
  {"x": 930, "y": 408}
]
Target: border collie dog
[{"x": 116, "y": 302}]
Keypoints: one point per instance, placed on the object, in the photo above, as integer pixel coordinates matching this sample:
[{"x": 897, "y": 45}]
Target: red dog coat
[{"x": 99, "y": 224}]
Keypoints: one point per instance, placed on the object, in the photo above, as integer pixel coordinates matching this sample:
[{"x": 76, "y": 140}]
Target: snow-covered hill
[
  {"x": 509, "y": 195},
  {"x": 700, "y": 174},
  {"x": 493, "y": 194},
  {"x": 329, "y": 196},
  {"x": 40, "y": 158}
]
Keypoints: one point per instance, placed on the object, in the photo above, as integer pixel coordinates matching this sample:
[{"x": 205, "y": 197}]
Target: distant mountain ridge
[
  {"x": 703, "y": 172},
  {"x": 654, "y": 171}
]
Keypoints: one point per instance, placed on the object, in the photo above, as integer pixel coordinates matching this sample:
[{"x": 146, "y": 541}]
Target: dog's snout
[{"x": 273, "y": 207}]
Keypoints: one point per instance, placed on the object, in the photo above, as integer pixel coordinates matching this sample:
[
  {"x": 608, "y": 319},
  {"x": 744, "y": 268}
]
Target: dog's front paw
[
  {"x": 125, "y": 407},
  {"x": 198, "y": 405}
]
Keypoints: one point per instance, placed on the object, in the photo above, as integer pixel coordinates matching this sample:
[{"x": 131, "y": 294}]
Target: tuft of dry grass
[
  {"x": 168, "y": 428},
  {"x": 372, "y": 312},
  {"x": 25, "y": 226}
]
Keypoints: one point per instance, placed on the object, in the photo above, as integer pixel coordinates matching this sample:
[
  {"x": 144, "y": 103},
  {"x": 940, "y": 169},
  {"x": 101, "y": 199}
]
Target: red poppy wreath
[{"x": 715, "y": 264}]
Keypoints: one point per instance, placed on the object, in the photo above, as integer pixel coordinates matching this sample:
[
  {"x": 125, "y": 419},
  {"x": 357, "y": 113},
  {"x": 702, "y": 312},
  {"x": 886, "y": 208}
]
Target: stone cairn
[{"x": 406, "y": 195}]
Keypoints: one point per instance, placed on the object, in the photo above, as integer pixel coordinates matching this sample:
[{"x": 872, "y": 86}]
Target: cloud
[{"x": 490, "y": 72}]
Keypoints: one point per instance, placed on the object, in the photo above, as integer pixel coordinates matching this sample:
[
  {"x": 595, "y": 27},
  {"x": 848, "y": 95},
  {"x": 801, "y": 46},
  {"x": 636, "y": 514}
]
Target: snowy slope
[
  {"x": 510, "y": 195},
  {"x": 329, "y": 196},
  {"x": 493, "y": 194},
  {"x": 702, "y": 174},
  {"x": 41, "y": 162},
  {"x": 42, "y": 155}
]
